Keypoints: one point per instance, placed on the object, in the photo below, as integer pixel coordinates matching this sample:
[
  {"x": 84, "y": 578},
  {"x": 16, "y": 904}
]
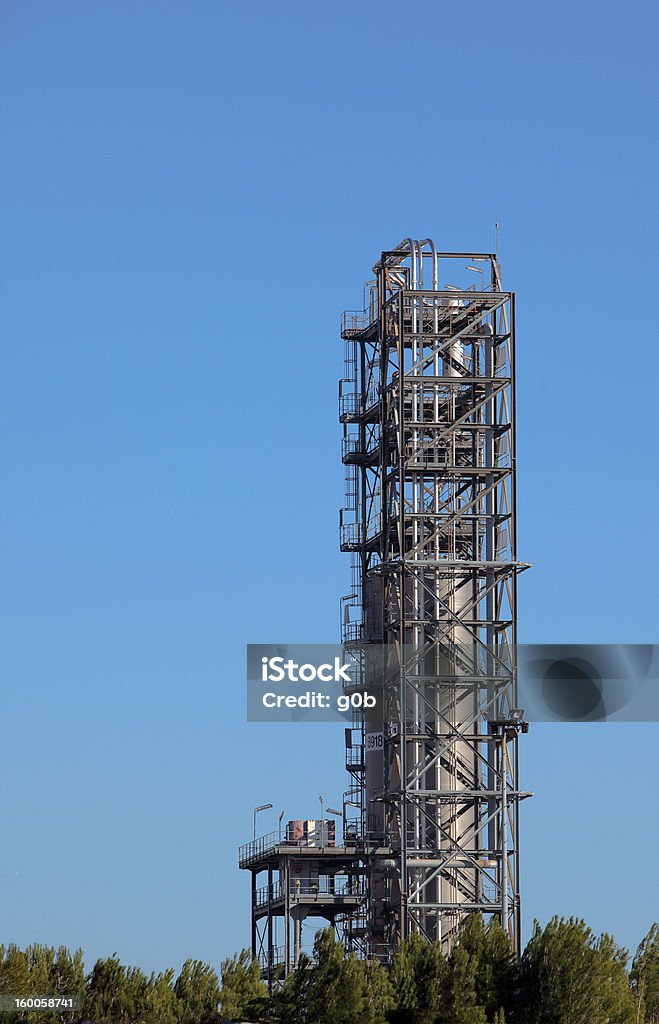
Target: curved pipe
[
  {"x": 413, "y": 251},
  {"x": 435, "y": 262}
]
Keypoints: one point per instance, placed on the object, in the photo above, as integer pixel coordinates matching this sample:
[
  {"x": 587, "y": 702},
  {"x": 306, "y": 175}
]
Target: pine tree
[
  {"x": 491, "y": 963},
  {"x": 243, "y": 993},
  {"x": 163, "y": 1006},
  {"x": 461, "y": 1003},
  {"x": 568, "y": 976},
  {"x": 54, "y": 973},
  {"x": 418, "y": 977},
  {"x": 404, "y": 986},
  {"x": 197, "y": 989},
  {"x": 336, "y": 991},
  {"x": 645, "y": 977},
  {"x": 106, "y": 995},
  {"x": 379, "y": 996},
  {"x": 288, "y": 1004},
  {"x": 14, "y": 971}
]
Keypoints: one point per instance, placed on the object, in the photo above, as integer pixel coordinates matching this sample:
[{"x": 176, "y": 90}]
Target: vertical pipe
[
  {"x": 403, "y": 809},
  {"x": 413, "y": 252},
  {"x": 504, "y": 832},
  {"x": 287, "y": 915},
  {"x": 253, "y": 915},
  {"x": 297, "y": 939},
  {"x": 270, "y": 949}
]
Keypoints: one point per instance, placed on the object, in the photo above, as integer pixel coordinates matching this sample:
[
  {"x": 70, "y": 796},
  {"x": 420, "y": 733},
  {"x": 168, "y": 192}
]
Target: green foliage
[
  {"x": 379, "y": 995},
  {"x": 288, "y": 1004},
  {"x": 243, "y": 994},
  {"x": 645, "y": 977},
  {"x": 41, "y": 971},
  {"x": 14, "y": 971},
  {"x": 419, "y": 976},
  {"x": 568, "y": 976},
  {"x": 332, "y": 988},
  {"x": 163, "y": 1005},
  {"x": 482, "y": 972},
  {"x": 468, "y": 989},
  {"x": 336, "y": 992},
  {"x": 107, "y": 998},
  {"x": 462, "y": 1006},
  {"x": 197, "y": 989}
]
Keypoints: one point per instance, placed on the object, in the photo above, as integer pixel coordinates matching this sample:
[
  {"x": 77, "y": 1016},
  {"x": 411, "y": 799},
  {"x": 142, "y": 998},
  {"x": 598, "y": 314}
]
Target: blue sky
[{"x": 191, "y": 195}]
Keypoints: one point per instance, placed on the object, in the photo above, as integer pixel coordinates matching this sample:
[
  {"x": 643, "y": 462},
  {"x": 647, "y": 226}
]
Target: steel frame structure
[
  {"x": 427, "y": 404},
  {"x": 291, "y": 881}
]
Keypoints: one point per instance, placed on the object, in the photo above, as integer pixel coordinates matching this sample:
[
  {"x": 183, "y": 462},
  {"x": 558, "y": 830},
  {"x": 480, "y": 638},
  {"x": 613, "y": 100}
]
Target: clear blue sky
[{"x": 191, "y": 193}]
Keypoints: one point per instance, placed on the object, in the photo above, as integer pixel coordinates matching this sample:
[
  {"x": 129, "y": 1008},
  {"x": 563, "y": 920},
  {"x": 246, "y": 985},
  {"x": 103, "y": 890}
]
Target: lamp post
[
  {"x": 261, "y": 807},
  {"x": 281, "y": 818}
]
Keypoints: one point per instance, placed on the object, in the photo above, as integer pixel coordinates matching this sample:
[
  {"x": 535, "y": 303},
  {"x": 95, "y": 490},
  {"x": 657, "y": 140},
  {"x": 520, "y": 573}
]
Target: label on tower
[{"x": 374, "y": 741}]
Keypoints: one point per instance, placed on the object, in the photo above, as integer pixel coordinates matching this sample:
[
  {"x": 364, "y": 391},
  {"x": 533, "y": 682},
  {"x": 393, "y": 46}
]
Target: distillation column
[{"x": 429, "y": 440}]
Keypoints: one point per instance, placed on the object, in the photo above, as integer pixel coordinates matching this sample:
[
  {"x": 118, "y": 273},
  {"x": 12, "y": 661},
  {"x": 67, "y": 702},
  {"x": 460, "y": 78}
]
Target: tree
[
  {"x": 461, "y": 1001},
  {"x": 288, "y": 1004},
  {"x": 198, "y": 991},
  {"x": 488, "y": 967},
  {"x": 14, "y": 971},
  {"x": 379, "y": 997},
  {"x": 243, "y": 994},
  {"x": 106, "y": 996},
  {"x": 54, "y": 973},
  {"x": 645, "y": 977},
  {"x": 336, "y": 992},
  {"x": 332, "y": 988},
  {"x": 568, "y": 976},
  {"x": 163, "y": 1006},
  {"x": 418, "y": 977},
  {"x": 67, "y": 974}
]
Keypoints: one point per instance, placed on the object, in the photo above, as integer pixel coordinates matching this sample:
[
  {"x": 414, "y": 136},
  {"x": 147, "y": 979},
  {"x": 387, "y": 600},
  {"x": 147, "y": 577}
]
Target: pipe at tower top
[
  {"x": 435, "y": 262},
  {"x": 413, "y": 252},
  {"x": 416, "y": 256}
]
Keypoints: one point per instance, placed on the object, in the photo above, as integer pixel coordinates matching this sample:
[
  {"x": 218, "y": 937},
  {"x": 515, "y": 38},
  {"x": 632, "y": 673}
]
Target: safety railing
[
  {"x": 258, "y": 847},
  {"x": 315, "y": 838},
  {"x": 276, "y": 957},
  {"x": 373, "y": 526},
  {"x": 350, "y": 404},
  {"x": 268, "y": 894},
  {"x": 354, "y": 321},
  {"x": 326, "y": 886},
  {"x": 321, "y": 888},
  {"x": 356, "y": 403},
  {"x": 352, "y": 632},
  {"x": 351, "y": 534},
  {"x": 352, "y": 446},
  {"x": 355, "y": 757}
]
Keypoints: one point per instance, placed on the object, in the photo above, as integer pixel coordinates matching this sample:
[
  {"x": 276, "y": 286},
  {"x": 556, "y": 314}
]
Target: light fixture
[{"x": 261, "y": 807}]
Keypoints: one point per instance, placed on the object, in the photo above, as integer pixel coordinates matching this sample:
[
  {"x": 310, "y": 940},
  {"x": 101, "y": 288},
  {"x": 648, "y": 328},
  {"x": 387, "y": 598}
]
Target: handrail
[
  {"x": 263, "y": 844},
  {"x": 356, "y": 320},
  {"x": 311, "y": 887}
]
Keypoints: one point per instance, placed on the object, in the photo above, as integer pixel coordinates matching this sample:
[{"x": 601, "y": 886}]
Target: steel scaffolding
[{"x": 427, "y": 404}]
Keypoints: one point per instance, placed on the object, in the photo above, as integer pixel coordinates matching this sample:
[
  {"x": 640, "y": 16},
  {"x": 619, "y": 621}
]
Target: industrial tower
[
  {"x": 427, "y": 405},
  {"x": 430, "y": 821}
]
